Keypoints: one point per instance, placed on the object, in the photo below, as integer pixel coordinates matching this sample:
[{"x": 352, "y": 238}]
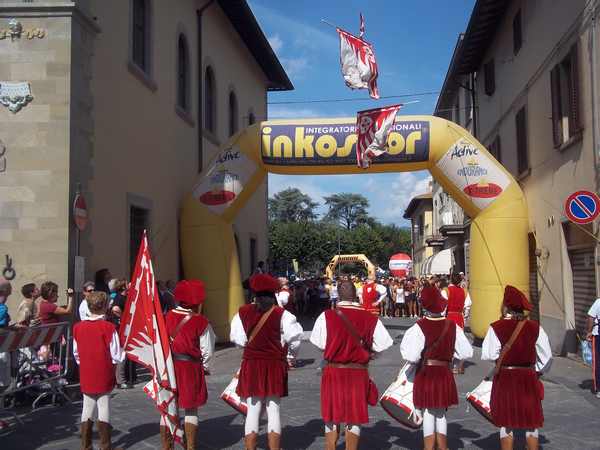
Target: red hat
[
  {"x": 264, "y": 283},
  {"x": 515, "y": 300},
  {"x": 188, "y": 292},
  {"x": 432, "y": 300},
  {"x": 199, "y": 290}
]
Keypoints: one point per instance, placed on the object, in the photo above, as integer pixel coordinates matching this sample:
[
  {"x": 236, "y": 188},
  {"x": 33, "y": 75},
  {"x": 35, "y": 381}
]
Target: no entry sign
[
  {"x": 80, "y": 213},
  {"x": 582, "y": 207}
]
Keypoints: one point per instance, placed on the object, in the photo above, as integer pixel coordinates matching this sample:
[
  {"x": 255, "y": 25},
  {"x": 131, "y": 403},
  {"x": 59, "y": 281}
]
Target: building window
[
  {"x": 495, "y": 149},
  {"x": 564, "y": 82},
  {"x": 141, "y": 34},
  {"x": 522, "y": 151},
  {"x": 233, "y": 114},
  {"x": 210, "y": 104},
  {"x": 253, "y": 255},
  {"x": 517, "y": 33},
  {"x": 183, "y": 73},
  {"x": 251, "y": 118},
  {"x": 489, "y": 75},
  {"x": 139, "y": 220}
]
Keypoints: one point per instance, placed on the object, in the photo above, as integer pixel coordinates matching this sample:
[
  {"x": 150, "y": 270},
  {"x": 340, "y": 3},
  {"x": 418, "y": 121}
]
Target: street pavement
[{"x": 571, "y": 411}]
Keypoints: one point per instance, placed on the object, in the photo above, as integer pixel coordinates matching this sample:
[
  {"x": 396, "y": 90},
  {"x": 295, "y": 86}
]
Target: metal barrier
[{"x": 35, "y": 359}]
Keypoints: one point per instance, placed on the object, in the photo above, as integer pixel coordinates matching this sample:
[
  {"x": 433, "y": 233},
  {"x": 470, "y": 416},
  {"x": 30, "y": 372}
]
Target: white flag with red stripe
[
  {"x": 373, "y": 128},
  {"x": 145, "y": 339},
  {"x": 358, "y": 63}
]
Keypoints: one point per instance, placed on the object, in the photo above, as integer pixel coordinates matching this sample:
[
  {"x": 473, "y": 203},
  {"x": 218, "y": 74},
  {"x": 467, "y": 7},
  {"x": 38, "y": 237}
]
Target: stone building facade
[{"x": 130, "y": 100}]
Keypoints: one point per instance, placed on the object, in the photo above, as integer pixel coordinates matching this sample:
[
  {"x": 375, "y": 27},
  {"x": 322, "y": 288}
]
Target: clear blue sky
[{"x": 413, "y": 41}]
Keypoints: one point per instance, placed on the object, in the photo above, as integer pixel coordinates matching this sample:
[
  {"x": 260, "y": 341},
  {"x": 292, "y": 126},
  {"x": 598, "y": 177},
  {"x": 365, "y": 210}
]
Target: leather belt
[
  {"x": 436, "y": 363},
  {"x": 348, "y": 366},
  {"x": 518, "y": 367},
  {"x": 188, "y": 358}
]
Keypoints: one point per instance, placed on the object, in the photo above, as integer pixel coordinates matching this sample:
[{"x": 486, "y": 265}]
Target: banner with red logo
[
  {"x": 374, "y": 127},
  {"x": 474, "y": 172},
  {"x": 358, "y": 63},
  {"x": 145, "y": 339}
]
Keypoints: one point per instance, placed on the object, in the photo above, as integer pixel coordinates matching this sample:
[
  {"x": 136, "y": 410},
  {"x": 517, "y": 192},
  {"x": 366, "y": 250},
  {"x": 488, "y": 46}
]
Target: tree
[
  {"x": 349, "y": 210},
  {"x": 292, "y": 205}
]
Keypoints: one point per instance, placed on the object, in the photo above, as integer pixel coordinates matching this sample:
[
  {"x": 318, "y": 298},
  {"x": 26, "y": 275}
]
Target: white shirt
[
  {"x": 84, "y": 310},
  {"x": 333, "y": 292},
  {"x": 595, "y": 313},
  {"x": 399, "y": 295},
  {"x": 381, "y": 338},
  {"x": 116, "y": 352},
  {"x": 491, "y": 348},
  {"x": 413, "y": 344},
  {"x": 283, "y": 297},
  {"x": 291, "y": 331},
  {"x": 207, "y": 340},
  {"x": 382, "y": 291}
]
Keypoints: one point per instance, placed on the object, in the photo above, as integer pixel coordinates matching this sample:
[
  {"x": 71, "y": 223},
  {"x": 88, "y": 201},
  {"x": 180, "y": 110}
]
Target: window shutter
[
  {"x": 522, "y": 155},
  {"x": 574, "y": 118},
  {"x": 498, "y": 148},
  {"x": 557, "y": 131},
  {"x": 517, "y": 33}
]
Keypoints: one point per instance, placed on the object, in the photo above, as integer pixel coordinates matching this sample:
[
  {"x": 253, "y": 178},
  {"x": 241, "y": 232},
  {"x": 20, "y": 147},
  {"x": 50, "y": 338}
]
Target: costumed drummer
[
  {"x": 458, "y": 302},
  {"x": 264, "y": 330},
  {"x": 348, "y": 335},
  {"x": 192, "y": 345},
  {"x": 517, "y": 392},
  {"x": 432, "y": 343}
]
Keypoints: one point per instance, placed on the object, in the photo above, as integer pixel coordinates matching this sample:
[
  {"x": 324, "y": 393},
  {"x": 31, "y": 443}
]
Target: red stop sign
[{"x": 80, "y": 212}]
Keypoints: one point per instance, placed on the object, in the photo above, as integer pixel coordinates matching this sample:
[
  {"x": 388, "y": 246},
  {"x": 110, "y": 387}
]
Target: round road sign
[
  {"x": 582, "y": 207},
  {"x": 80, "y": 213}
]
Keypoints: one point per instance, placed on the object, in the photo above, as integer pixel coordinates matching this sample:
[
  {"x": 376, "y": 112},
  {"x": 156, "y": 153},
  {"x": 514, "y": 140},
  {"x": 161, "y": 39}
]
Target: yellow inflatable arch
[
  {"x": 348, "y": 259},
  {"x": 464, "y": 168}
]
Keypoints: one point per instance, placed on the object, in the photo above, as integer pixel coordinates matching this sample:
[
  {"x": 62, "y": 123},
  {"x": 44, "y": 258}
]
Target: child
[{"x": 97, "y": 350}]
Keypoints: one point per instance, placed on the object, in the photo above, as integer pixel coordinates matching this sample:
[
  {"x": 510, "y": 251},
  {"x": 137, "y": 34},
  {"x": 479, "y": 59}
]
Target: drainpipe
[
  {"x": 199, "y": 13},
  {"x": 595, "y": 126},
  {"x": 473, "y": 103}
]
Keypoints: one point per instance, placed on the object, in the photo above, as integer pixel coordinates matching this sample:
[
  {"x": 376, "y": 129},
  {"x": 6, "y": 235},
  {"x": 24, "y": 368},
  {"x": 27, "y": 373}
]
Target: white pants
[
  {"x": 91, "y": 402},
  {"x": 434, "y": 421},
  {"x": 354, "y": 429},
  {"x": 191, "y": 416},
  {"x": 255, "y": 405}
]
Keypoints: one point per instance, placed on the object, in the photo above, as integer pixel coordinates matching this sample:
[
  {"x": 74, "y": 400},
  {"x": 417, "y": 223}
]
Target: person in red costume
[
  {"x": 370, "y": 296},
  {"x": 264, "y": 330},
  {"x": 97, "y": 350},
  {"x": 348, "y": 335},
  {"x": 432, "y": 343},
  {"x": 522, "y": 353},
  {"x": 192, "y": 345},
  {"x": 458, "y": 302}
]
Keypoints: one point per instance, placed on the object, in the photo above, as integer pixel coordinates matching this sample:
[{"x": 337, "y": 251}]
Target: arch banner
[
  {"x": 349, "y": 259},
  {"x": 465, "y": 169}
]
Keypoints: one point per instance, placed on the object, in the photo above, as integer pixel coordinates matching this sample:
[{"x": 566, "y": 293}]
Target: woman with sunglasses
[{"x": 84, "y": 310}]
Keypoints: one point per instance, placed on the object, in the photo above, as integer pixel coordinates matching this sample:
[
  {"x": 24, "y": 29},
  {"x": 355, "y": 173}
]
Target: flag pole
[{"x": 329, "y": 23}]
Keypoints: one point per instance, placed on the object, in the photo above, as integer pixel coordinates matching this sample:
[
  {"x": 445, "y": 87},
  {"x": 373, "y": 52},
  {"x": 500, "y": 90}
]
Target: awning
[{"x": 438, "y": 264}]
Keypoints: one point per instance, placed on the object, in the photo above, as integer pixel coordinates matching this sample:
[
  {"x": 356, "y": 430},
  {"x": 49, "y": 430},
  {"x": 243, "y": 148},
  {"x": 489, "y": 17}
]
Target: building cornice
[{"x": 48, "y": 9}]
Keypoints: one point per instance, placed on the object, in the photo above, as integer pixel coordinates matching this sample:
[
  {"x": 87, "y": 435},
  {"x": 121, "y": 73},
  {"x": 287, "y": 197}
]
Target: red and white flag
[
  {"x": 362, "y": 26},
  {"x": 358, "y": 63},
  {"x": 145, "y": 339},
  {"x": 373, "y": 127}
]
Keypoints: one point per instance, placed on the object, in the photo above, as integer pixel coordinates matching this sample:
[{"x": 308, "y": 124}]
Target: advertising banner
[
  {"x": 475, "y": 173},
  {"x": 225, "y": 180},
  {"x": 315, "y": 145}
]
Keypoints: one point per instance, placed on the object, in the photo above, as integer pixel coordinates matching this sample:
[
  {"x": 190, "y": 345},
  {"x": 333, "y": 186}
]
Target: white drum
[
  {"x": 397, "y": 400},
  {"x": 230, "y": 397},
  {"x": 480, "y": 398}
]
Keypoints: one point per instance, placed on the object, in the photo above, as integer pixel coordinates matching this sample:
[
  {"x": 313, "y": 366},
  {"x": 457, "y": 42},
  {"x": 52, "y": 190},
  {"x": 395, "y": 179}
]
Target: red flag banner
[
  {"x": 358, "y": 63},
  {"x": 145, "y": 339},
  {"x": 374, "y": 126}
]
